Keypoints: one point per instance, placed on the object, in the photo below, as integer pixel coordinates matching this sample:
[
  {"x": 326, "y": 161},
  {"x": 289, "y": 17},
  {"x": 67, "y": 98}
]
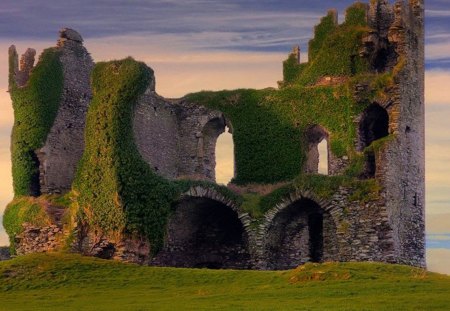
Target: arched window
[
  {"x": 322, "y": 148},
  {"x": 317, "y": 152},
  {"x": 373, "y": 126},
  {"x": 224, "y": 170}
]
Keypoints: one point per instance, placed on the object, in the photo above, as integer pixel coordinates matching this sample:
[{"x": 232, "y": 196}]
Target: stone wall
[
  {"x": 64, "y": 146},
  {"x": 175, "y": 138},
  {"x": 156, "y": 134},
  {"x": 351, "y": 231},
  {"x": 39, "y": 239}
]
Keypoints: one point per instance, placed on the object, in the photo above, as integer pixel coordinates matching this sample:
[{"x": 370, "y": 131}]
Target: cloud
[
  {"x": 438, "y": 260},
  {"x": 437, "y": 13},
  {"x": 437, "y": 51},
  {"x": 439, "y": 237},
  {"x": 207, "y": 24}
]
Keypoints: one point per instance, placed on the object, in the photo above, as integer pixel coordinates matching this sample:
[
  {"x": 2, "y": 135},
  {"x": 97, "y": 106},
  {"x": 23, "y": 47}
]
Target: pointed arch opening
[
  {"x": 317, "y": 150},
  {"x": 205, "y": 233},
  {"x": 374, "y": 125}
]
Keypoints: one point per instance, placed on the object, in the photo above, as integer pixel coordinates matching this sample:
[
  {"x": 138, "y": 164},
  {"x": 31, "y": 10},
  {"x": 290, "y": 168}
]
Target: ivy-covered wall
[
  {"x": 269, "y": 125},
  {"x": 116, "y": 191},
  {"x": 35, "y": 107}
]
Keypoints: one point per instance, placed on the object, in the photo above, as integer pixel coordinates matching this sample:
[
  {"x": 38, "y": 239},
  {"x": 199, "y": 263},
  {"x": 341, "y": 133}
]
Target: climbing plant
[
  {"x": 35, "y": 108},
  {"x": 116, "y": 191}
]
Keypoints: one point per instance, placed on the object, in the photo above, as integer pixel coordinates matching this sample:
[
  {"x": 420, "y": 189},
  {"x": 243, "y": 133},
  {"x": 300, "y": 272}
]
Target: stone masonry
[{"x": 64, "y": 146}]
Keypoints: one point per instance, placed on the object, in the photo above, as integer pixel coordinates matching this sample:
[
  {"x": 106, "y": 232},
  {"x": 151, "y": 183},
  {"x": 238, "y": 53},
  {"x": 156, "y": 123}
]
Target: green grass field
[{"x": 72, "y": 282}]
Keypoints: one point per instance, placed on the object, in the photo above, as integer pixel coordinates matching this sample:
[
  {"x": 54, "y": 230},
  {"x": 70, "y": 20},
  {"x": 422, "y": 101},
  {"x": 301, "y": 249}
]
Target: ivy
[
  {"x": 35, "y": 108},
  {"x": 116, "y": 191}
]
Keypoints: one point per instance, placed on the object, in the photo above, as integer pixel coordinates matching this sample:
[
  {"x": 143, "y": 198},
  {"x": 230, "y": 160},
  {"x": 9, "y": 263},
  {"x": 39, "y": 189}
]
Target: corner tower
[{"x": 401, "y": 163}]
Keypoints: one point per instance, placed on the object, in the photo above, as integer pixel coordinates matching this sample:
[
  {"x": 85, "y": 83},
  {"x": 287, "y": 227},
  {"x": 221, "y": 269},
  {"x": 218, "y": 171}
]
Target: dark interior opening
[
  {"x": 315, "y": 224},
  {"x": 35, "y": 181},
  {"x": 296, "y": 236},
  {"x": 374, "y": 124},
  {"x": 370, "y": 166},
  {"x": 205, "y": 233},
  {"x": 385, "y": 58}
]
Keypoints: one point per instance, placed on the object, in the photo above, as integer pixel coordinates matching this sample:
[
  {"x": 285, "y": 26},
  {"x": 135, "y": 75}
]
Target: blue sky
[{"x": 219, "y": 44}]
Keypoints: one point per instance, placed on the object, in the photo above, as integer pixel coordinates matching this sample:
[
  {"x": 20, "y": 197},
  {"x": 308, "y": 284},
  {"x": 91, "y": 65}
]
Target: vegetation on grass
[
  {"x": 29, "y": 210},
  {"x": 35, "y": 108},
  {"x": 71, "y": 282}
]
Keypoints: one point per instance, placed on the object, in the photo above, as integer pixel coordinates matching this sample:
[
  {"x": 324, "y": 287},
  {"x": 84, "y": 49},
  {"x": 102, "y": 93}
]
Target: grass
[{"x": 71, "y": 282}]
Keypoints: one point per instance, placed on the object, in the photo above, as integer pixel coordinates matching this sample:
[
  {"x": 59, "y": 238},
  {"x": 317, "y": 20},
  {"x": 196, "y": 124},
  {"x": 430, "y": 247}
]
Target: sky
[{"x": 224, "y": 44}]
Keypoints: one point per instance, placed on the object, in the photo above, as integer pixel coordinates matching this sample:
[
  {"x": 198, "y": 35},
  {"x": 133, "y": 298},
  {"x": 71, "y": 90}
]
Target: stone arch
[
  {"x": 210, "y": 132},
  {"x": 314, "y": 135},
  {"x": 206, "y": 230},
  {"x": 297, "y": 230},
  {"x": 373, "y": 125}
]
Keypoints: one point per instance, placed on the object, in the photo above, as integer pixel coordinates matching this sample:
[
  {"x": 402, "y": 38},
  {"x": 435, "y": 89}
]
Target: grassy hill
[{"x": 71, "y": 282}]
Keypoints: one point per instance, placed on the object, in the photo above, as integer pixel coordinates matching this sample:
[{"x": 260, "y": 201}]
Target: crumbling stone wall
[
  {"x": 39, "y": 239},
  {"x": 64, "y": 146},
  {"x": 175, "y": 138},
  {"x": 351, "y": 230}
]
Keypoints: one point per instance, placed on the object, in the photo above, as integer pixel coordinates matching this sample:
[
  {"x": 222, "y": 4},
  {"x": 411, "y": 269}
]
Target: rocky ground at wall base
[{"x": 57, "y": 281}]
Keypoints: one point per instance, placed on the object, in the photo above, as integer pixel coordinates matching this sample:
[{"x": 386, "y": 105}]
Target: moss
[
  {"x": 116, "y": 191},
  {"x": 35, "y": 108},
  {"x": 24, "y": 210},
  {"x": 291, "y": 69},
  {"x": 339, "y": 56},
  {"x": 377, "y": 145},
  {"x": 356, "y": 15},
  {"x": 365, "y": 190},
  {"x": 266, "y": 145},
  {"x": 326, "y": 26},
  {"x": 251, "y": 205}
]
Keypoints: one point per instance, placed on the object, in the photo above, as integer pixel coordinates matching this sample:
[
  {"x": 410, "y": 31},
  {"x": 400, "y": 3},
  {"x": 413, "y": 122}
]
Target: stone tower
[{"x": 397, "y": 44}]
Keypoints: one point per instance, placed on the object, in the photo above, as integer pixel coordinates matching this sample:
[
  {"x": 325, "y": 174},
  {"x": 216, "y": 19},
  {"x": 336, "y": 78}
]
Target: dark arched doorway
[
  {"x": 296, "y": 235},
  {"x": 373, "y": 126},
  {"x": 205, "y": 233}
]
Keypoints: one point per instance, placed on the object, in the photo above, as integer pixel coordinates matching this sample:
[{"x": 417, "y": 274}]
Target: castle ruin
[{"x": 370, "y": 206}]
